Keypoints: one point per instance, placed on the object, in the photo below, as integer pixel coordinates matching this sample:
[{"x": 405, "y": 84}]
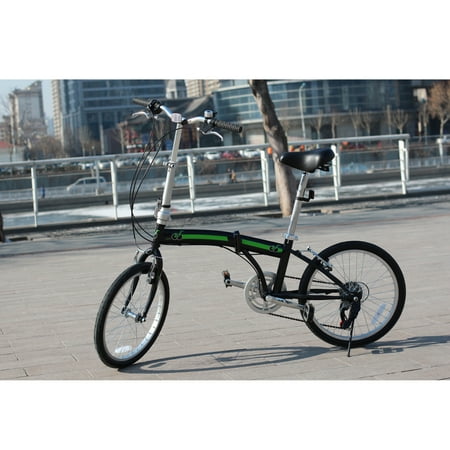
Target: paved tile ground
[{"x": 52, "y": 286}]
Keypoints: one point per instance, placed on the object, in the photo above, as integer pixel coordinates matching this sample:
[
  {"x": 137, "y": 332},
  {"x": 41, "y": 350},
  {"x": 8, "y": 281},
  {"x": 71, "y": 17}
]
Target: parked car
[
  {"x": 102, "y": 165},
  {"x": 87, "y": 185},
  {"x": 213, "y": 155},
  {"x": 250, "y": 153},
  {"x": 230, "y": 155},
  {"x": 129, "y": 162},
  {"x": 86, "y": 165}
]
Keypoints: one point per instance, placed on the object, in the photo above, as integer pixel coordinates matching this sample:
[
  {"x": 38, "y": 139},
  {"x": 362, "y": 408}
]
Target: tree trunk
[{"x": 285, "y": 181}]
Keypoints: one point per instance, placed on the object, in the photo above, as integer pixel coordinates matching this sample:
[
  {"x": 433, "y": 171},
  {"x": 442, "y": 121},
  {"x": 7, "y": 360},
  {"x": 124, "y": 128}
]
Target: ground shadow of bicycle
[
  {"x": 407, "y": 343},
  {"x": 236, "y": 358},
  {"x": 265, "y": 356}
]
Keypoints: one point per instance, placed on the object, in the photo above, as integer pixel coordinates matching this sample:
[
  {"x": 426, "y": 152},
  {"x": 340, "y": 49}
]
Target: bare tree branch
[
  {"x": 355, "y": 117},
  {"x": 439, "y": 103},
  {"x": 399, "y": 119}
]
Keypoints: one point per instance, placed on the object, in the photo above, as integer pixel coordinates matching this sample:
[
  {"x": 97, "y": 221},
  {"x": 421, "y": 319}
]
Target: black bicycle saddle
[{"x": 310, "y": 160}]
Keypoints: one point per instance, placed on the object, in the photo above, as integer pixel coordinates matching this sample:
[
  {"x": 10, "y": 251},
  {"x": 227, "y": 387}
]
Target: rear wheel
[
  {"x": 373, "y": 276},
  {"x": 121, "y": 335}
]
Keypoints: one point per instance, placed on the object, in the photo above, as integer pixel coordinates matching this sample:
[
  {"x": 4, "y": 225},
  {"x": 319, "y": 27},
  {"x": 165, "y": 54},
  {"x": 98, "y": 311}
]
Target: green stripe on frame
[
  {"x": 270, "y": 248},
  {"x": 205, "y": 237}
]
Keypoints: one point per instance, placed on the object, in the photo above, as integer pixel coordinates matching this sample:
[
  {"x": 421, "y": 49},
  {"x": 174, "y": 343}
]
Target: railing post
[
  {"x": 403, "y": 157},
  {"x": 115, "y": 197},
  {"x": 34, "y": 191},
  {"x": 265, "y": 176},
  {"x": 97, "y": 176},
  {"x": 407, "y": 159},
  {"x": 191, "y": 180},
  {"x": 336, "y": 164},
  {"x": 441, "y": 150}
]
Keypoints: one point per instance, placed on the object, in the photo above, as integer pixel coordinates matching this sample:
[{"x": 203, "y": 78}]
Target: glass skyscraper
[
  {"x": 308, "y": 100},
  {"x": 91, "y": 109}
]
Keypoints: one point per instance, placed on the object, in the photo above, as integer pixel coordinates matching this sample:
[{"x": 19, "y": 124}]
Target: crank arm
[{"x": 229, "y": 282}]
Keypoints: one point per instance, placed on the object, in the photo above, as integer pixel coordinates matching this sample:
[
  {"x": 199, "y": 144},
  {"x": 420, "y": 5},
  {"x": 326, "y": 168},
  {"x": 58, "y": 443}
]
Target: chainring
[{"x": 253, "y": 295}]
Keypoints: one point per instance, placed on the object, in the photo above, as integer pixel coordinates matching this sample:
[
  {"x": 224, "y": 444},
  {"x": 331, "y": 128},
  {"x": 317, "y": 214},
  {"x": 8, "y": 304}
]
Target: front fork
[{"x": 153, "y": 278}]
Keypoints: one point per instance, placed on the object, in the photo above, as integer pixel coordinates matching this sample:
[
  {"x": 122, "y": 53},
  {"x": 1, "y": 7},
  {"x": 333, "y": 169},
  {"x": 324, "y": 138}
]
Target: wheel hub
[{"x": 353, "y": 291}]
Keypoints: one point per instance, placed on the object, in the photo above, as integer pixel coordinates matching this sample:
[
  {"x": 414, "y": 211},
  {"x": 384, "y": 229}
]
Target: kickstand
[{"x": 350, "y": 340}]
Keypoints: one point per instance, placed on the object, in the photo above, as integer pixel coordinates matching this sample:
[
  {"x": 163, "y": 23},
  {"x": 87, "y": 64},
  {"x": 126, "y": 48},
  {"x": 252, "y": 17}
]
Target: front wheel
[
  {"x": 370, "y": 272},
  {"x": 121, "y": 334}
]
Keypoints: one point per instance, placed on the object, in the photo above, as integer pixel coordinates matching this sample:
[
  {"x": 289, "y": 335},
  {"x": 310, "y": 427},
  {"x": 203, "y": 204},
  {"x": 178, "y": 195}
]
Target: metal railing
[{"x": 197, "y": 168}]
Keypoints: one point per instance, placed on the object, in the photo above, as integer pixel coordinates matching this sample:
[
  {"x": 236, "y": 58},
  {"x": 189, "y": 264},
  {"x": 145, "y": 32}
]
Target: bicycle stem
[{"x": 163, "y": 215}]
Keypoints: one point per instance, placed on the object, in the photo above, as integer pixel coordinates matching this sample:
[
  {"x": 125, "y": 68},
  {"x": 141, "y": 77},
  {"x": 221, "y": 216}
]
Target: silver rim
[{"x": 124, "y": 337}]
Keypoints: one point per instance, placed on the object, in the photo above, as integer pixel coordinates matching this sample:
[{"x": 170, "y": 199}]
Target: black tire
[
  {"x": 120, "y": 340},
  {"x": 380, "y": 280}
]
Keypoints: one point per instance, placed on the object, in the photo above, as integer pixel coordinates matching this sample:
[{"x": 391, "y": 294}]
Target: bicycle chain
[
  {"x": 304, "y": 321},
  {"x": 292, "y": 278},
  {"x": 301, "y": 320},
  {"x": 287, "y": 317}
]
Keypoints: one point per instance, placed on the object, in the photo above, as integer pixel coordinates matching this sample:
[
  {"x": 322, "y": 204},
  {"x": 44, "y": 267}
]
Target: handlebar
[
  {"x": 140, "y": 102},
  {"x": 234, "y": 127},
  {"x": 156, "y": 107}
]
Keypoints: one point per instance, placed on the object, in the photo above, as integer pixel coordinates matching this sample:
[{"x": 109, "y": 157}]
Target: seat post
[{"x": 290, "y": 235}]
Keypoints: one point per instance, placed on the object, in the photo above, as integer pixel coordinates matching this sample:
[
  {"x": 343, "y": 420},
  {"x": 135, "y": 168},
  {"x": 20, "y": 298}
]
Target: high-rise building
[
  {"x": 200, "y": 88},
  {"x": 176, "y": 89},
  {"x": 57, "y": 116},
  {"x": 89, "y": 111},
  {"x": 27, "y": 110}
]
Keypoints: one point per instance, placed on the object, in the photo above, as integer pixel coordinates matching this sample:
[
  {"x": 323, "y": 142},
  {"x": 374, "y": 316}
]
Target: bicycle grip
[
  {"x": 234, "y": 127},
  {"x": 140, "y": 102}
]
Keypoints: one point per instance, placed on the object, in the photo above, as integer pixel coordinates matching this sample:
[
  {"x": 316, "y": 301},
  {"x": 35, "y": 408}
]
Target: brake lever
[
  {"x": 205, "y": 133},
  {"x": 139, "y": 114}
]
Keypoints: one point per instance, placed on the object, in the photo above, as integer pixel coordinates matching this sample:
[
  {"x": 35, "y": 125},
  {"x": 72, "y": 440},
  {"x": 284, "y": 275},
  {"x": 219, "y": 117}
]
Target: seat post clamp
[{"x": 307, "y": 199}]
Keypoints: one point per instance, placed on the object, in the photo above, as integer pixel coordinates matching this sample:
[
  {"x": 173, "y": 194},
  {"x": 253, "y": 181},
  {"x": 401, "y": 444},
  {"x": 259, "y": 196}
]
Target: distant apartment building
[
  {"x": 176, "y": 89},
  {"x": 324, "y": 108},
  {"x": 200, "y": 88},
  {"x": 27, "y": 111},
  {"x": 5, "y": 129},
  {"x": 87, "y": 111}
]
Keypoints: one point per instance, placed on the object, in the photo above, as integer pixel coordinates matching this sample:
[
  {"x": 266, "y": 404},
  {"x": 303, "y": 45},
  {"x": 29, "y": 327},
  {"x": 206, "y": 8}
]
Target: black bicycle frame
[
  {"x": 242, "y": 245},
  {"x": 247, "y": 246}
]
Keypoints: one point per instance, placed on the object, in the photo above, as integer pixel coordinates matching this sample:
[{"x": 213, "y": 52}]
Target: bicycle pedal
[
  {"x": 226, "y": 278},
  {"x": 229, "y": 282}
]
